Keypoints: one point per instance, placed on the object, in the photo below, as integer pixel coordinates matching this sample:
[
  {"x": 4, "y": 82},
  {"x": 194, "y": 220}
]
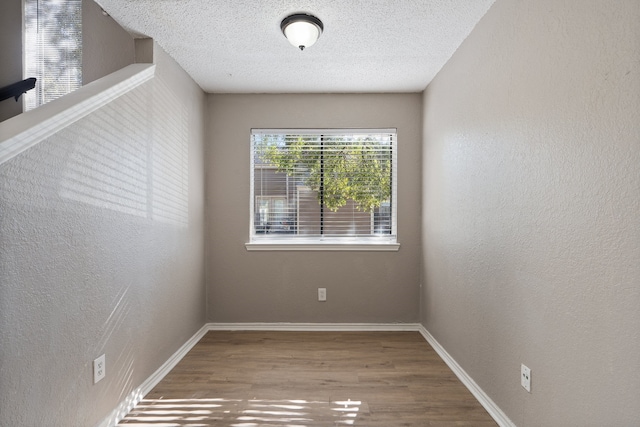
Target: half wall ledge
[{"x": 25, "y": 130}]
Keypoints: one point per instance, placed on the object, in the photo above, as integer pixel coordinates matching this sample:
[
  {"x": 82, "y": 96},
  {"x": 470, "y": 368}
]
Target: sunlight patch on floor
[{"x": 239, "y": 412}]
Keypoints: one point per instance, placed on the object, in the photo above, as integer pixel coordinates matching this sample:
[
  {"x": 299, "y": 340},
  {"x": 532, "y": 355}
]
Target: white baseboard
[
  {"x": 328, "y": 327},
  {"x": 136, "y": 395},
  {"x": 488, "y": 404}
]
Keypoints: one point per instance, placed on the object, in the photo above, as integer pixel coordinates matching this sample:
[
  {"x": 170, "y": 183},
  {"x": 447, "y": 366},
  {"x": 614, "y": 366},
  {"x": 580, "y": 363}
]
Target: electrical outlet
[
  {"x": 99, "y": 369},
  {"x": 322, "y": 294},
  {"x": 525, "y": 378}
]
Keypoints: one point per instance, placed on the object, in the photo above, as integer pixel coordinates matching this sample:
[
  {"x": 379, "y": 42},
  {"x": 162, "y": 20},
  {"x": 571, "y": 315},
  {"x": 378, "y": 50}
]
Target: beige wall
[
  {"x": 10, "y": 53},
  {"x": 282, "y": 286},
  {"x": 106, "y": 46},
  {"x": 102, "y": 251},
  {"x": 531, "y": 200}
]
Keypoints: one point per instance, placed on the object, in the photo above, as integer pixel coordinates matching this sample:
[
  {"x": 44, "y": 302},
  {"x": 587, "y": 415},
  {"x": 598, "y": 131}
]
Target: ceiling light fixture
[{"x": 301, "y": 30}]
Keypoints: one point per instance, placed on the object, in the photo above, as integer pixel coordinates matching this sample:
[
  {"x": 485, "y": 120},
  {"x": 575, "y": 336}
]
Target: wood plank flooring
[{"x": 310, "y": 379}]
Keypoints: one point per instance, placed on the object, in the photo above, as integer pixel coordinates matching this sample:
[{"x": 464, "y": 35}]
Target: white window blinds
[
  {"x": 323, "y": 185},
  {"x": 52, "y": 48}
]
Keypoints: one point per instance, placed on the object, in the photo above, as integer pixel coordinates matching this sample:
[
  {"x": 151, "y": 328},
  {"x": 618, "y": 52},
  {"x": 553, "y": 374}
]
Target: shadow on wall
[
  {"x": 115, "y": 160},
  {"x": 110, "y": 169}
]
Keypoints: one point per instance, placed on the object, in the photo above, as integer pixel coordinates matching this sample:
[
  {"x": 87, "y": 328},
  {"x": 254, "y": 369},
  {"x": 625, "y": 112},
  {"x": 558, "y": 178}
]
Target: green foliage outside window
[{"x": 336, "y": 168}]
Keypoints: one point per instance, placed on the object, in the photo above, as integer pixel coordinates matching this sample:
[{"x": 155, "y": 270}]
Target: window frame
[{"x": 285, "y": 242}]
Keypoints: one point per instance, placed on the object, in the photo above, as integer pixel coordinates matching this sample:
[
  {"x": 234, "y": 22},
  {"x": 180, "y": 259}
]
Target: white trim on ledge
[
  {"x": 25, "y": 130},
  {"x": 482, "y": 397},
  {"x": 363, "y": 247}
]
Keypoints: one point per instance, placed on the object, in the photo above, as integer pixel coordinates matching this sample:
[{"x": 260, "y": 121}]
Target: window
[
  {"x": 273, "y": 215},
  {"x": 52, "y": 49},
  {"x": 323, "y": 187}
]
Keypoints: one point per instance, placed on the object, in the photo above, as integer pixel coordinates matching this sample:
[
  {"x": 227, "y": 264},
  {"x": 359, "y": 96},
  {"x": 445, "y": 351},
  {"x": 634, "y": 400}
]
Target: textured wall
[
  {"x": 282, "y": 286},
  {"x": 101, "y": 252},
  {"x": 106, "y": 47},
  {"x": 10, "y": 53},
  {"x": 531, "y": 204}
]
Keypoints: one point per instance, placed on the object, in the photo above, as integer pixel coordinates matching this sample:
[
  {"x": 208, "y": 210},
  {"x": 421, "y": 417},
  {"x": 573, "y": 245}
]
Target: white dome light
[{"x": 301, "y": 30}]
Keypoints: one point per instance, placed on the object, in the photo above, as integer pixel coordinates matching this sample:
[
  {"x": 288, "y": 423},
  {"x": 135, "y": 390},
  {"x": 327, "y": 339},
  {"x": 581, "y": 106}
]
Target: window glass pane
[
  {"x": 324, "y": 184},
  {"x": 52, "y": 48}
]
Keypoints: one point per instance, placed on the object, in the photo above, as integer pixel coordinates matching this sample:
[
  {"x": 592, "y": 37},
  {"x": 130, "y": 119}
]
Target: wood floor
[{"x": 309, "y": 379}]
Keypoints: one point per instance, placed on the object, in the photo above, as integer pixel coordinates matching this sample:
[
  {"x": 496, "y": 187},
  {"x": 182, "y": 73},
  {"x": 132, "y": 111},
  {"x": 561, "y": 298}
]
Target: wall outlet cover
[
  {"x": 99, "y": 369},
  {"x": 525, "y": 378}
]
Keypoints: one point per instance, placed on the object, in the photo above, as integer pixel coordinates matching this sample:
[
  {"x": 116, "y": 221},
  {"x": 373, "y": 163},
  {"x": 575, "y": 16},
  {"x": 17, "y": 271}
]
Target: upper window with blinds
[
  {"x": 52, "y": 49},
  {"x": 327, "y": 186}
]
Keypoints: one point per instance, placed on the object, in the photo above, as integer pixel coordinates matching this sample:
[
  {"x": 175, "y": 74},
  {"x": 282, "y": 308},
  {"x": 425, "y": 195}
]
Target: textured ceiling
[{"x": 236, "y": 46}]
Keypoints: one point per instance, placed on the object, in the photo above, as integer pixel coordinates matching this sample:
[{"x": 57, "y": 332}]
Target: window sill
[{"x": 330, "y": 246}]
